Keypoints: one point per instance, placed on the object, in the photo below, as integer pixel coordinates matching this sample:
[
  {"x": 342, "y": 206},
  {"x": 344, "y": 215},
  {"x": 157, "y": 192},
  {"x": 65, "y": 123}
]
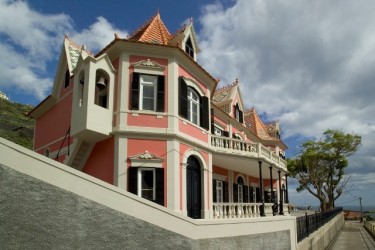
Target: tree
[{"x": 319, "y": 167}]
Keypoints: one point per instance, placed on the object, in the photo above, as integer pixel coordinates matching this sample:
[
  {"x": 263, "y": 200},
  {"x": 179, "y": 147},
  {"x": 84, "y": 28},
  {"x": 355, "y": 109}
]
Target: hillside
[{"x": 15, "y": 126}]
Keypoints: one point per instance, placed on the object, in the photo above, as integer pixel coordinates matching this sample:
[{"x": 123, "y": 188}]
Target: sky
[{"x": 308, "y": 64}]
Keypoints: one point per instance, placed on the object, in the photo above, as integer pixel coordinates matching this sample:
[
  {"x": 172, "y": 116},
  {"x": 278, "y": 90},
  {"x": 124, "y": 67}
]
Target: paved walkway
[{"x": 353, "y": 236}]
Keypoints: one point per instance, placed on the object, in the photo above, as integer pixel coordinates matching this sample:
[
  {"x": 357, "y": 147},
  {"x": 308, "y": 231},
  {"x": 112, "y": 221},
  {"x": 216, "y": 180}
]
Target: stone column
[
  {"x": 281, "y": 212},
  {"x": 261, "y": 190}
]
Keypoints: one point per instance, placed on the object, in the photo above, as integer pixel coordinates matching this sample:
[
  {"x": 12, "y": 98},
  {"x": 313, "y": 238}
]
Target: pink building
[{"x": 143, "y": 115}]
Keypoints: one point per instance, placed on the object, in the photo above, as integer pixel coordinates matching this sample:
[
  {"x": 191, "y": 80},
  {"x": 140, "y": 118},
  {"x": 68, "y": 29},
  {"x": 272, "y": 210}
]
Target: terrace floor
[{"x": 353, "y": 236}]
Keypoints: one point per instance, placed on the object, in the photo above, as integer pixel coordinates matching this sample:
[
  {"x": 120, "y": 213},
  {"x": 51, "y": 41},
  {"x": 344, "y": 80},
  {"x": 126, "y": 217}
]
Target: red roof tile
[{"x": 153, "y": 31}]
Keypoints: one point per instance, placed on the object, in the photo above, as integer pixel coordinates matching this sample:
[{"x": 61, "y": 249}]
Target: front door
[{"x": 193, "y": 188}]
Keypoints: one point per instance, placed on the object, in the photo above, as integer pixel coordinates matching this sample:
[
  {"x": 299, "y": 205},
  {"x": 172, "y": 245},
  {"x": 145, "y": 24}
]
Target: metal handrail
[{"x": 62, "y": 144}]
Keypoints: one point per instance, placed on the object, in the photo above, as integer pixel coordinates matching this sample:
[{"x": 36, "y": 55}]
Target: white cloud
[
  {"x": 98, "y": 34},
  {"x": 30, "y": 40},
  {"x": 309, "y": 64}
]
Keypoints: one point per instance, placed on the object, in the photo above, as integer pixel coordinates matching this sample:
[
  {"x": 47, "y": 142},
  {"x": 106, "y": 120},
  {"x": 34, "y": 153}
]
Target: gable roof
[
  {"x": 153, "y": 31},
  {"x": 223, "y": 97},
  {"x": 255, "y": 124}
]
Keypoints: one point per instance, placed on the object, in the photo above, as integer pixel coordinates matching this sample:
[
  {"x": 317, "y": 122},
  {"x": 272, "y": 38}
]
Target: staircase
[{"x": 81, "y": 152}]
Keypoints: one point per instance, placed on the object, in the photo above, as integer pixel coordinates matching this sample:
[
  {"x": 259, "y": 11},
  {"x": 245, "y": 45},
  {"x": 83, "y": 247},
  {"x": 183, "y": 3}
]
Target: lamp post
[{"x": 360, "y": 204}]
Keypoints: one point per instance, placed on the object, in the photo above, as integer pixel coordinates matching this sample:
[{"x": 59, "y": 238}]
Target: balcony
[
  {"x": 244, "y": 210},
  {"x": 253, "y": 150}
]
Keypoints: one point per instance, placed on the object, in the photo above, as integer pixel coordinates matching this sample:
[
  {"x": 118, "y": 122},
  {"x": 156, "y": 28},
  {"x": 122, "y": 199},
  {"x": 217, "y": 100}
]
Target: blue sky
[{"x": 308, "y": 64}]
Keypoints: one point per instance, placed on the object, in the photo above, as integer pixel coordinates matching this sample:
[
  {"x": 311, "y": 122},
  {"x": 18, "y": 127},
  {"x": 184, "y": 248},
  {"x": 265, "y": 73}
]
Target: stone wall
[
  {"x": 45, "y": 204},
  {"x": 37, "y": 215}
]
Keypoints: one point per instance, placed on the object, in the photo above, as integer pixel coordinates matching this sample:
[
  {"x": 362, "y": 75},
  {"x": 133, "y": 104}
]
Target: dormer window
[
  {"x": 66, "y": 79},
  {"x": 238, "y": 114},
  {"x": 189, "y": 48}
]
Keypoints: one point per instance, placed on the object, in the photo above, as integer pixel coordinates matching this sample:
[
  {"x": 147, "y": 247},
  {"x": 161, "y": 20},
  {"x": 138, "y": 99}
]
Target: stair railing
[{"x": 62, "y": 144}]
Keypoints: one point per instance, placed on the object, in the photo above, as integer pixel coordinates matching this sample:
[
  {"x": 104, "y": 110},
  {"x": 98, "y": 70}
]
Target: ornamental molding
[
  {"x": 146, "y": 159},
  {"x": 148, "y": 64}
]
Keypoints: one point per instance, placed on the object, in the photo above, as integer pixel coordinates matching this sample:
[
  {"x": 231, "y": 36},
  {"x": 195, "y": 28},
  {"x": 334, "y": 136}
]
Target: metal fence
[{"x": 309, "y": 223}]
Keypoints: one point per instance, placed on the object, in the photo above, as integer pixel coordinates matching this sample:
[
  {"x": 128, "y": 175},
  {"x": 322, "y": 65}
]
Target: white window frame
[
  {"x": 139, "y": 176},
  {"x": 143, "y": 83},
  {"x": 190, "y": 96},
  {"x": 219, "y": 191}
]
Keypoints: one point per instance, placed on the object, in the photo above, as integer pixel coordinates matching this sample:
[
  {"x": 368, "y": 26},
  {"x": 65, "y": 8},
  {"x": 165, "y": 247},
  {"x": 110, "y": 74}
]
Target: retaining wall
[
  {"x": 321, "y": 238},
  {"x": 45, "y": 204}
]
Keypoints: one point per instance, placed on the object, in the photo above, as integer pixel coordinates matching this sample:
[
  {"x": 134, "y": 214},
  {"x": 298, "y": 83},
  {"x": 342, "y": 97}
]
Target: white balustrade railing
[
  {"x": 240, "y": 210},
  {"x": 227, "y": 143},
  {"x": 231, "y": 145}
]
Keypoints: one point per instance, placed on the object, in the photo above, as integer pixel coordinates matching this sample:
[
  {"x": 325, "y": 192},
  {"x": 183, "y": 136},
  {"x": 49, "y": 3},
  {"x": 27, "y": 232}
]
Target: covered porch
[{"x": 249, "y": 180}]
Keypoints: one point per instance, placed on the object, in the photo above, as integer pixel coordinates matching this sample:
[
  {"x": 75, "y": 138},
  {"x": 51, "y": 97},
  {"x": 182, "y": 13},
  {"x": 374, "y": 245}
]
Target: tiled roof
[
  {"x": 255, "y": 125},
  {"x": 154, "y": 31},
  {"x": 223, "y": 95}
]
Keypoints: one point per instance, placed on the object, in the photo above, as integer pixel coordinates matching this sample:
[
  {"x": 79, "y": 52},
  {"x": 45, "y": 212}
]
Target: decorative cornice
[{"x": 148, "y": 64}]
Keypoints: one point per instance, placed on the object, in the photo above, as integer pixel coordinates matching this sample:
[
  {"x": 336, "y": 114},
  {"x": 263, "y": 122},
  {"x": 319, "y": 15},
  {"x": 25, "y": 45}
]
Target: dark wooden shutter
[
  {"x": 160, "y": 95},
  {"x": 214, "y": 197},
  {"x": 205, "y": 115},
  {"x": 245, "y": 193},
  {"x": 134, "y": 97},
  {"x": 234, "y": 111},
  {"x": 183, "y": 102},
  {"x": 159, "y": 186},
  {"x": 226, "y": 133},
  {"x": 212, "y": 122},
  {"x": 133, "y": 180},
  {"x": 226, "y": 192},
  {"x": 241, "y": 116},
  {"x": 235, "y": 192}
]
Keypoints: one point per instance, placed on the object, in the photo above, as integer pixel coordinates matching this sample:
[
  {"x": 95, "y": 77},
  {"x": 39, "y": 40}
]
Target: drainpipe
[{"x": 261, "y": 191}]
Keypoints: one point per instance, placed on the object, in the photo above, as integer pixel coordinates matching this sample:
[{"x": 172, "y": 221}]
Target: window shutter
[
  {"x": 133, "y": 180},
  {"x": 134, "y": 97},
  {"x": 205, "y": 115},
  {"x": 160, "y": 95},
  {"x": 212, "y": 122},
  {"x": 214, "y": 197},
  {"x": 183, "y": 102},
  {"x": 234, "y": 111},
  {"x": 245, "y": 193},
  {"x": 235, "y": 192},
  {"x": 225, "y": 191},
  {"x": 159, "y": 186},
  {"x": 241, "y": 116}
]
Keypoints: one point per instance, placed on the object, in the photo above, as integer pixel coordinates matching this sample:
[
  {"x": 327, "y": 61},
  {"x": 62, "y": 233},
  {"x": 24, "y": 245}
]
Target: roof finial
[
  {"x": 236, "y": 81},
  {"x": 191, "y": 20},
  {"x": 66, "y": 36},
  {"x": 116, "y": 36}
]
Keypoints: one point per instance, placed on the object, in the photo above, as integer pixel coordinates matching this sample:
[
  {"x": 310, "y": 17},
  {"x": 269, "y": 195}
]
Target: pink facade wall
[
  {"x": 101, "y": 161},
  {"x": 183, "y": 72},
  {"x": 54, "y": 124},
  {"x": 148, "y": 120},
  {"x": 192, "y": 130}
]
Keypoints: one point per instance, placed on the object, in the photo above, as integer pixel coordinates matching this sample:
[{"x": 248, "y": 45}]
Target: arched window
[
  {"x": 101, "y": 89},
  {"x": 240, "y": 185},
  {"x": 46, "y": 152}
]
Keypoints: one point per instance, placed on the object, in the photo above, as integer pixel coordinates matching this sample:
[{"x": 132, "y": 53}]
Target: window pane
[
  {"x": 148, "y": 91},
  {"x": 148, "y": 79},
  {"x": 148, "y": 194},
  {"x": 147, "y": 179},
  {"x": 148, "y": 104}
]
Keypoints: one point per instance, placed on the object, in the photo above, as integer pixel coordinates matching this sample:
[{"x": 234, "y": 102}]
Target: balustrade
[{"x": 240, "y": 210}]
